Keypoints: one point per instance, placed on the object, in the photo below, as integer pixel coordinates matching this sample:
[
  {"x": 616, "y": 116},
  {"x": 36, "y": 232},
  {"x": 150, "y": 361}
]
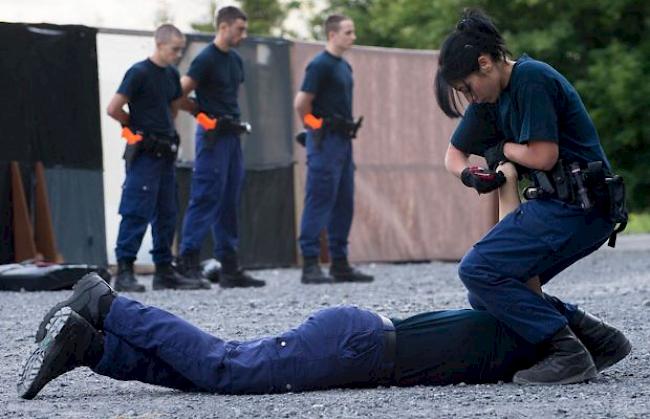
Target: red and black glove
[{"x": 481, "y": 179}]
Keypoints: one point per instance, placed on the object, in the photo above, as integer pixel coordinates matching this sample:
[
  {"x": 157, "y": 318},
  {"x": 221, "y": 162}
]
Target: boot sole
[
  {"x": 621, "y": 352},
  {"x": 80, "y": 290},
  {"x": 586, "y": 375},
  {"x": 222, "y": 285},
  {"x": 188, "y": 288},
  {"x": 345, "y": 278},
  {"x": 318, "y": 281},
  {"x": 31, "y": 370},
  {"x": 141, "y": 288}
]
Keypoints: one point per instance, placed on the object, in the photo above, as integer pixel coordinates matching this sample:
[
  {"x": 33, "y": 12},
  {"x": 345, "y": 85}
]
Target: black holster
[
  {"x": 161, "y": 146},
  {"x": 348, "y": 128},
  {"x": 226, "y": 124},
  {"x": 131, "y": 151},
  {"x": 336, "y": 124}
]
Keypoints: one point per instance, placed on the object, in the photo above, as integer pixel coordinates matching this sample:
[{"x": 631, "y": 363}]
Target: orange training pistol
[
  {"x": 312, "y": 122},
  {"x": 205, "y": 121},
  {"x": 130, "y": 136}
]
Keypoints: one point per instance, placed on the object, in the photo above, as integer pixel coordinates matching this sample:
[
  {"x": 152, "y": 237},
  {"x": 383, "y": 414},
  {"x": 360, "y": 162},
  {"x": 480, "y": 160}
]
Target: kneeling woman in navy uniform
[
  {"x": 527, "y": 113},
  {"x": 342, "y": 346}
]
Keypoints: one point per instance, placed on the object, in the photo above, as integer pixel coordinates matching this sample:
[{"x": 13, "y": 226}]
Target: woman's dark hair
[{"x": 475, "y": 34}]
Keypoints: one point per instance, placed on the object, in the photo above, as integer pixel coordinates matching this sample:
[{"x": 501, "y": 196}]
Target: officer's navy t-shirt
[
  {"x": 538, "y": 104},
  {"x": 150, "y": 90},
  {"x": 218, "y": 75},
  {"x": 329, "y": 78}
]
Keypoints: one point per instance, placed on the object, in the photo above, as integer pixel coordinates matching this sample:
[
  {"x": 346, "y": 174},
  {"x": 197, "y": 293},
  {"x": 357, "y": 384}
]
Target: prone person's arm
[
  {"x": 188, "y": 84},
  {"x": 508, "y": 202},
  {"x": 116, "y": 110},
  {"x": 508, "y": 192}
]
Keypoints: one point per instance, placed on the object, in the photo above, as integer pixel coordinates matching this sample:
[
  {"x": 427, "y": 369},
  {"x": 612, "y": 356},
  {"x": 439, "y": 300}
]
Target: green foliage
[
  {"x": 265, "y": 17},
  {"x": 599, "y": 45},
  {"x": 639, "y": 224}
]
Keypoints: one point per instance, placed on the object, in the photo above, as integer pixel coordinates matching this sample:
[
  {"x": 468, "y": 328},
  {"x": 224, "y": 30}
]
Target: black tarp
[
  {"x": 266, "y": 217},
  {"x": 49, "y": 110},
  {"x": 6, "y": 202},
  {"x": 77, "y": 206}
]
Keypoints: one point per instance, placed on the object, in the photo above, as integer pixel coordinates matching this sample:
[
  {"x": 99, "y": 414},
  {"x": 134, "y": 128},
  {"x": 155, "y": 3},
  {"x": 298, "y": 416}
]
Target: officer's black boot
[
  {"x": 91, "y": 298},
  {"x": 188, "y": 265},
  {"x": 70, "y": 342},
  {"x": 232, "y": 274},
  {"x": 166, "y": 277},
  {"x": 342, "y": 271},
  {"x": 606, "y": 344},
  {"x": 567, "y": 362},
  {"x": 312, "y": 272},
  {"x": 125, "y": 278}
]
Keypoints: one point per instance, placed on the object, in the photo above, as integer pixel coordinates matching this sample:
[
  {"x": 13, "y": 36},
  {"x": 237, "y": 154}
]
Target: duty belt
[
  {"x": 343, "y": 126},
  {"x": 158, "y": 145},
  {"x": 590, "y": 187},
  {"x": 336, "y": 124},
  {"x": 385, "y": 374}
]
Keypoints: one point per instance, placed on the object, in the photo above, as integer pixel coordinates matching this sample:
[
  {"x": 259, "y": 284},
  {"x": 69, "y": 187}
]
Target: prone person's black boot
[
  {"x": 70, "y": 342},
  {"x": 567, "y": 362},
  {"x": 342, "y": 271},
  {"x": 125, "y": 280},
  {"x": 606, "y": 344},
  {"x": 233, "y": 275},
  {"x": 166, "y": 277},
  {"x": 91, "y": 298},
  {"x": 312, "y": 272}
]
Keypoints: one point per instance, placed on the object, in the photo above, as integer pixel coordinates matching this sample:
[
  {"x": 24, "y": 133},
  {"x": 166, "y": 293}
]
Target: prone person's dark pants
[{"x": 335, "y": 347}]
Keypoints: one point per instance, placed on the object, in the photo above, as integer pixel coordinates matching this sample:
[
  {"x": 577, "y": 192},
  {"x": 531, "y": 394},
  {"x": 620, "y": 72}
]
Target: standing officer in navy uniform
[
  {"x": 343, "y": 346},
  {"x": 215, "y": 75},
  {"x": 324, "y": 104},
  {"x": 539, "y": 122},
  {"x": 152, "y": 90}
]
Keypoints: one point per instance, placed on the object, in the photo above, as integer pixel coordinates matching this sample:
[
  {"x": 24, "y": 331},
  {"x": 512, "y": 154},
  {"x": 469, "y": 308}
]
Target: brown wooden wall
[{"x": 407, "y": 206}]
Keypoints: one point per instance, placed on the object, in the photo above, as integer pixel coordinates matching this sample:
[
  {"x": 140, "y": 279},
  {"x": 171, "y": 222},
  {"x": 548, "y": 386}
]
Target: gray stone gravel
[{"x": 614, "y": 284}]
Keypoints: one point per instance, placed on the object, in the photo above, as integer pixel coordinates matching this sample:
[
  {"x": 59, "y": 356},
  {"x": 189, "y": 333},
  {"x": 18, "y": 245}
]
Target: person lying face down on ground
[{"x": 337, "y": 347}]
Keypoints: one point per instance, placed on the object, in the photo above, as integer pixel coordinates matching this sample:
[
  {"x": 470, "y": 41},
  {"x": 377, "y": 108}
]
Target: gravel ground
[{"x": 614, "y": 284}]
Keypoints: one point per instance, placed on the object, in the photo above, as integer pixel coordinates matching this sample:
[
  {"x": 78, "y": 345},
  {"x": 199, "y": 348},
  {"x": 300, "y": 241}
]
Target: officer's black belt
[{"x": 343, "y": 126}]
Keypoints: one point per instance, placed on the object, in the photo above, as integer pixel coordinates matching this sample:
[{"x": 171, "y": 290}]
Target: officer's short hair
[
  {"x": 333, "y": 23},
  {"x": 165, "y": 32},
  {"x": 228, "y": 14}
]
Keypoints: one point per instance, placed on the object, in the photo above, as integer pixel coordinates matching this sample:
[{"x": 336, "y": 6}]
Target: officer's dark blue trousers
[
  {"x": 541, "y": 237},
  {"x": 215, "y": 193},
  {"x": 148, "y": 196},
  {"x": 329, "y": 195},
  {"x": 335, "y": 347}
]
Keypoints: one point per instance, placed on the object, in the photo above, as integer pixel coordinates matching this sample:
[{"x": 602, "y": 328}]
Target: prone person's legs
[
  {"x": 335, "y": 347},
  {"x": 508, "y": 202}
]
